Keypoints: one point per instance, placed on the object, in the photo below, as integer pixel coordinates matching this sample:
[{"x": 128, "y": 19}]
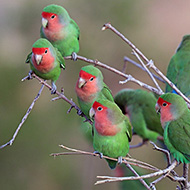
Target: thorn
[
  {"x": 56, "y": 98},
  {"x": 62, "y": 90},
  {"x": 69, "y": 110}
]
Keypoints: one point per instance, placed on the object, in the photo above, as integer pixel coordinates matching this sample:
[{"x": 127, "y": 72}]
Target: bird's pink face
[
  {"x": 102, "y": 123},
  {"x": 42, "y": 59},
  {"x": 86, "y": 86},
  {"x": 164, "y": 108},
  {"x": 50, "y": 21}
]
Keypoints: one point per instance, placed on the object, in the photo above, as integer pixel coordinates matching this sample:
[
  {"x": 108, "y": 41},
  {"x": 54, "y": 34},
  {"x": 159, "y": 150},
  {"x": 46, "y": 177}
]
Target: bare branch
[
  {"x": 139, "y": 144},
  {"x": 24, "y": 118},
  {"x": 62, "y": 96},
  {"x": 136, "y": 174},
  {"x": 125, "y": 160},
  {"x": 108, "y": 179},
  {"x": 147, "y": 70},
  {"x": 109, "y": 26},
  {"x": 127, "y": 59},
  {"x": 185, "y": 175},
  {"x": 128, "y": 77},
  {"x": 163, "y": 151}
]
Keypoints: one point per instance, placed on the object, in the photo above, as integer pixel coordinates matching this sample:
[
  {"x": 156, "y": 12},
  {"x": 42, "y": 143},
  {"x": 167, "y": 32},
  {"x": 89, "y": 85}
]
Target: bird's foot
[
  {"x": 53, "y": 88},
  {"x": 74, "y": 56},
  {"x": 120, "y": 160},
  {"x": 100, "y": 154}
]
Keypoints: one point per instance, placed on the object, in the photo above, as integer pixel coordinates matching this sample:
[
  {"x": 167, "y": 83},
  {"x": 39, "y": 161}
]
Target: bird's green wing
[
  {"x": 172, "y": 72},
  {"x": 28, "y": 57},
  {"x": 139, "y": 124},
  {"x": 60, "y": 58},
  {"x": 76, "y": 27},
  {"x": 179, "y": 135},
  {"x": 129, "y": 128},
  {"x": 107, "y": 93}
]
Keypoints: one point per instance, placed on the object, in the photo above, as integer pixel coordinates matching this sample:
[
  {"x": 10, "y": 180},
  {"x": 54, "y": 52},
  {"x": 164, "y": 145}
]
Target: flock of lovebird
[{"x": 116, "y": 119}]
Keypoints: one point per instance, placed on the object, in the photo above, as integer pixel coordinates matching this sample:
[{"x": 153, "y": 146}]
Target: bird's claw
[
  {"x": 74, "y": 56},
  {"x": 53, "y": 88},
  {"x": 120, "y": 160},
  {"x": 100, "y": 154}
]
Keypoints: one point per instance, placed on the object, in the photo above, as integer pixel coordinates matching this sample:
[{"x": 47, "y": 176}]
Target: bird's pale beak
[
  {"x": 157, "y": 107},
  {"x": 91, "y": 113},
  {"x": 38, "y": 59},
  {"x": 81, "y": 82},
  {"x": 44, "y": 22}
]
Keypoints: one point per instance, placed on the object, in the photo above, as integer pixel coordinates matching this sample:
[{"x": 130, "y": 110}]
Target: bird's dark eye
[
  {"x": 99, "y": 108},
  {"x": 46, "y": 51},
  {"x": 91, "y": 79},
  {"x": 164, "y": 104},
  {"x": 53, "y": 16}
]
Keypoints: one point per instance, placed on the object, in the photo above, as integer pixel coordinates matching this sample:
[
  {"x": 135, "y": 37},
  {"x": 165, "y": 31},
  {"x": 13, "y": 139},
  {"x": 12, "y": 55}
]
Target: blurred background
[{"x": 155, "y": 27}]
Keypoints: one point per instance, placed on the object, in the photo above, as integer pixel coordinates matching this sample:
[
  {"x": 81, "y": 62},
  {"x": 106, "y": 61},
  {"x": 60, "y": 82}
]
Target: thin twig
[
  {"x": 125, "y": 160},
  {"x": 149, "y": 62},
  {"x": 147, "y": 70},
  {"x": 152, "y": 185},
  {"x": 136, "y": 174},
  {"x": 128, "y": 77},
  {"x": 185, "y": 175},
  {"x": 108, "y": 179},
  {"x": 163, "y": 151},
  {"x": 23, "y": 119},
  {"x": 127, "y": 59},
  {"x": 139, "y": 144},
  {"x": 62, "y": 96}
]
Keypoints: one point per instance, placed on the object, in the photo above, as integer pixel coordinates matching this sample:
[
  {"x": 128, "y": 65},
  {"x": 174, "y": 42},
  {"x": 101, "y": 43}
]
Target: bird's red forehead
[
  {"x": 97, "y": 104},
  {"x": 85, "y": 75},
  {"x": 161, "y": 101},
  {"x": 39, "y": 51},
  {"x": 47, "y": 15}
]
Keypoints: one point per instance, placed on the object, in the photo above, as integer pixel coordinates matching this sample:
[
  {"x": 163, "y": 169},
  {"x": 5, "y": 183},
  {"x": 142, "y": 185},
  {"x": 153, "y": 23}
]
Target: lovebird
[
  {"x": 175, "y": 119},
  {"x": 90, "y": 87},
  {"x": 112, "y": 130},
  {"x": 60, "y": 30},
  {"x": 178, "y": 70},
  {"x": 139, "y": 106},
  {"x": 46, "y": 62}
]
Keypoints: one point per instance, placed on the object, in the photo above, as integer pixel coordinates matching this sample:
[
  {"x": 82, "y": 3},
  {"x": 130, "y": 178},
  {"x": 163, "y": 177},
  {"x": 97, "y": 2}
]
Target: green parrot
[
  {"x": 90, "y": 87},
  {"x": 60, "y": 30},
  {"x": 46, "y": 62},
  {"x": 139, "y": 106},
  {"x": 179, "y": 68},
  {"x": 112, "y": 130},
  {"x": 175, "y": 119}
]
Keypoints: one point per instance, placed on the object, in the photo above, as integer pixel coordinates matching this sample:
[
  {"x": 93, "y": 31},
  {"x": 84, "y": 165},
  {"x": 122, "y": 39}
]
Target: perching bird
[
  {"x": 175, "y": 119},
  {"x": 90, "y": 87},
  {"x": 139, "y": 106},
  {"x": 46, "y": 61},
  {"x": 60, "y": 30},
  {"x": 179, "y": 68},
  {"x": 112, "y": 130}
]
